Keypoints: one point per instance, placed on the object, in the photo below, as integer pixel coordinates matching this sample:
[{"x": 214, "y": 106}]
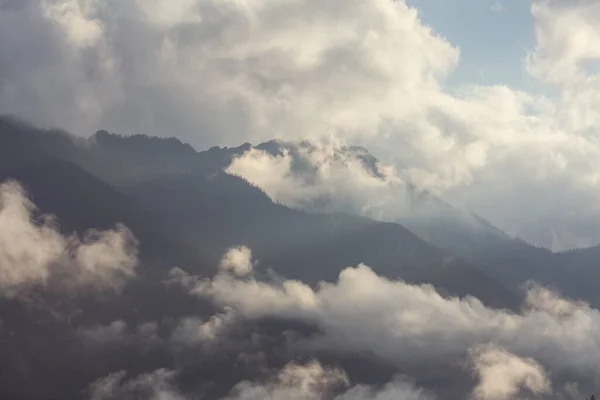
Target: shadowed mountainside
[
  {"x": 186, "y": 211},
  {"x": 195, "y": 202}
]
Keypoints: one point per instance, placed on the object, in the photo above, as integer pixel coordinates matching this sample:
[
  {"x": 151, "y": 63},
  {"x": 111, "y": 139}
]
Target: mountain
[
  {"x": 470, "y": 237},
  {"x": 196, "y": 202},
  {"x": 207, "y": 205},
  {"x": 457, "y": 231},
  {"x": 222, "y": 202},
  {"x": 79, "y": 199},
  {"x": 186, "y": 211},
  {"x": 188, "y": 193},
  {"x": 38, "y": 342}
]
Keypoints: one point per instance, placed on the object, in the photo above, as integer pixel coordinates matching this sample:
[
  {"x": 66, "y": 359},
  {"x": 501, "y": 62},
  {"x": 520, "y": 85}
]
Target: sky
[
  {"x": 494, "y": 37},
  {"x": 489, "y": 105}
]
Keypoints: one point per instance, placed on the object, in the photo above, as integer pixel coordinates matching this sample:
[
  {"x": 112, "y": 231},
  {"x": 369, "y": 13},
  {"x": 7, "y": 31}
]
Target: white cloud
[
  {"x": 333, "y": 180},
  {"x": 415, "y": 327},
  {"x": 364, "y": 72},
  {"x": 237, "y": 260},
  {"x": 310, "y": 381},
  {"x": 566, "y": 35},
  {"x": 503, "y": 375},
  {"x": 292, "y": 382},
  {"x": 249, "y": 60},
  {"x": 550, "y": 349},
  {"x": 77, "y": 19},
  {"x": 35, "y": 253},
  {"x": 193, "y": 331},
  {"x": 157, "y": 385},
  {"x": 105, "y": 260},
  {"x": 27, "y": 251}
]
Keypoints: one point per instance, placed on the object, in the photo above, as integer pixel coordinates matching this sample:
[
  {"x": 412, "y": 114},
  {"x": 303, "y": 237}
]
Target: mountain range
[{"x": 186, "y": 210}]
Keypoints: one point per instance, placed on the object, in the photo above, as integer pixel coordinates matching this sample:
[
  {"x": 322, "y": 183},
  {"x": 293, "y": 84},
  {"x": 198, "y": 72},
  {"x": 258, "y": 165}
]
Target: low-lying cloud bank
[
  {"x": 34, "y": 253},
  {"x": 547, "y": 350},
  {"x": 551, "y": 349},
  {"x": 311, "y": 381},
  {"x": 503, "y": 376}
]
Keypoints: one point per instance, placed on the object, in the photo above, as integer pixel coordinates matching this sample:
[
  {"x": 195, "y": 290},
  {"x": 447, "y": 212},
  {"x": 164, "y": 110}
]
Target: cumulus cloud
[
  {"x": 503, "y": 375},
  {"x": 194, "y": 331},
  {"x": 369, "y": 73},
  {"x": 311, "y": 381},
  {"x": 237, "y": 260},
  {"x": 157, "y": 385},
  {"x": 566, "y": 34},
  {"x": 416, "y": 328},
  {"x": 33, "y": 252},
  {"x": 256, "y": 75}
]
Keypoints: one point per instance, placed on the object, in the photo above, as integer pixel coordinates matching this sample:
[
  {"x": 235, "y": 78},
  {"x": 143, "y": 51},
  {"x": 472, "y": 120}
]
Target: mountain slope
[
  {"x": 309, "y": 247},
  {"x": 510, "y": 260},
  {"x": 81, "y": 201},
  {"x": 195, "y": 202},
  {"x": 212, "y": 207},
  {"x": 43, "y": 346},
  {"x": 460, "y": 232}
]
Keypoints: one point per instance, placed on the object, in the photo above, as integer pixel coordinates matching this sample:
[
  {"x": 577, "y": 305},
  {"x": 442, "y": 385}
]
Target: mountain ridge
[
  {"x": 202, "y": 204},
  {"x": 510, "y": 260}
]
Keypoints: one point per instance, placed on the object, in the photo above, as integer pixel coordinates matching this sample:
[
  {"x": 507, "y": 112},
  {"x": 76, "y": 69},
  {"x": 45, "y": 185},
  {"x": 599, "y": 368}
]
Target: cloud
[
  {"x": 310, "y": 381},
  {"x": 237, "y": 260},
  {"x": 256, "y": 75},
  {"x": 502, "y": 375},
  {"x": 115, "y": 332},
  {"x": 330, "y": 180},
  {"x": 324, "y": 178},
  {"x": 157, "y": 385},
  {"x": 566, "y": 36},
  {"x": 399, "y": 389},
  {"x": 368, "y": 72},
  {"x": 34, "y": 253},
  {"x": 415, "y": 328},
  {"x": 313, "y": 381},
  {"x": 119, "y": 333},
  {"x": 194, "y": 331}
]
